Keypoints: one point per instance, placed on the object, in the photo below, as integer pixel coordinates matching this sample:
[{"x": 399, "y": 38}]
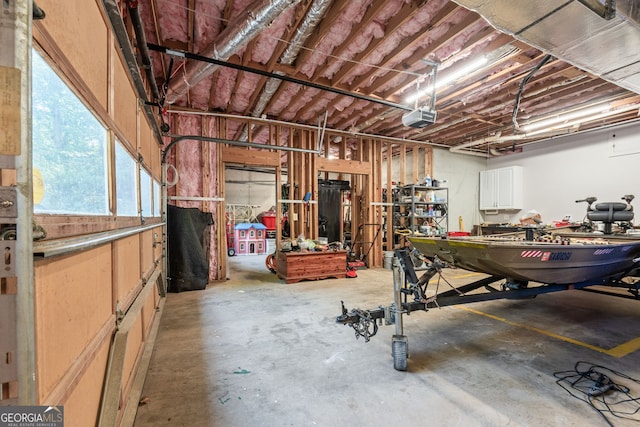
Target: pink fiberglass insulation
[
  {"x": 247, "y": 84},
  {"x": 232, "y": 128},
  {"x": 435, "y": 35},
  {"x": 342, "y": 103},
  {"x": 306, "y": 96},
  {"x": 208, "y": 22},
  {"x": 199, "y": 95},
  {"x": 458, "y": 43},
  {"x": 375, "y": 30},
  {"x": 260, "y": 134},
  {"x": 224, "y": 83},
  {"x": 268, "y": 39},
  {"x": 318, "y": 107},
  {"x": 417, "y": 24},
  {"x": 213, "y": 190},
  {"x": 445, "y": 51},
  {"x": 188, "y": 160},
  {"x": 173, "y": 15},
  {"x": 352, "y": 15},
  {"x": 280, "y": 102}
]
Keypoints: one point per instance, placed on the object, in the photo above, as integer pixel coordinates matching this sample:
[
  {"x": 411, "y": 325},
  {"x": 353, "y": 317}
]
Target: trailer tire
[
  {"x": 231, "y": 252},
  {"x": 399, "y": 353}
]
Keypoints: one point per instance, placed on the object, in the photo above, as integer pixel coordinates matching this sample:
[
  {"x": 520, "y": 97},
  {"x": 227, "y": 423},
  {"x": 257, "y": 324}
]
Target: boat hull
[{"x": 552, "y": 263}]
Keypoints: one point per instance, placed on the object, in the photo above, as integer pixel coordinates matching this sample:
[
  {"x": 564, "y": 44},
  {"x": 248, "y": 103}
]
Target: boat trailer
[{"x": 412, "y": 294}]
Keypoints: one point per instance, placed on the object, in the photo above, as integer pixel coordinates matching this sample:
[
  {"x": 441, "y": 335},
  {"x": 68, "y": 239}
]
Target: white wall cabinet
[{"x": 501, "y": 189}]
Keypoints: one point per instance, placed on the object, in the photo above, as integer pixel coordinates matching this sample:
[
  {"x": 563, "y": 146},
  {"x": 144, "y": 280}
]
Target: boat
[{"x": 560, "y": 260}]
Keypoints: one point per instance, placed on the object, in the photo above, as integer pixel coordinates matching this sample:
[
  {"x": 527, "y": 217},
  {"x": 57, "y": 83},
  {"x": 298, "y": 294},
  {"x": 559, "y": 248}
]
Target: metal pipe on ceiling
[
  {"x": 306, "y": 28},
  {"x": 189, "y": 55},
  {"x": 311, "y": 20},
  {"x": 117, "y": 24},
  {"x": 141, "y": 43},
  {"x": 239, "y": 32},
  {"x": 345, "y": 133}
]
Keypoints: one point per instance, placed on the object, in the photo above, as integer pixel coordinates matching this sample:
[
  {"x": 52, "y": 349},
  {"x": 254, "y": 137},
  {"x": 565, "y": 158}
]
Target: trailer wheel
[
  {"x": 399, "y": 353},
  {"x": 231, "y": 252}
]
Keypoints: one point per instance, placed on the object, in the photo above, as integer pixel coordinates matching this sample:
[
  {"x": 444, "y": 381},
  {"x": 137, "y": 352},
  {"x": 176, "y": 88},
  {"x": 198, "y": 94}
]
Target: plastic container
[
  {"x": 269, "y": 220},
  {"x": 388, "y": 259},
  {"x": 458, "y": 233}
]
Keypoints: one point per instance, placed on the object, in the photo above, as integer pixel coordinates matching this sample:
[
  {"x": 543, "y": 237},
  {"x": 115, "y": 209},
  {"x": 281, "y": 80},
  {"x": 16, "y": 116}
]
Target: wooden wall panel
[
  {"x": 82, "y": 406},
  {"x": 157, "y": 248},
  {"x": 148, "y": 312},
  {"x": 81, "y": 33},
  {"x": 132, "y": 355},
  {"x": 73, "y": 301},
  {"x": 144, "y": 139},
  {"x": 146, "y": 253},
  {"x": 126, "y": 270},
  {"x": 125, "y": 104},
  {"x": 156, "y": 155}
]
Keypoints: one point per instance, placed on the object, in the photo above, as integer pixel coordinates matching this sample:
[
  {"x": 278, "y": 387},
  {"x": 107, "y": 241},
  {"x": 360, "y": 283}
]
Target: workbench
[{"x": 307, "y": 265}]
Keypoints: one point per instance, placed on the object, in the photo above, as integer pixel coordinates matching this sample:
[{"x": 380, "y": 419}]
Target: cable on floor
[{"x": 608, "y": 392}]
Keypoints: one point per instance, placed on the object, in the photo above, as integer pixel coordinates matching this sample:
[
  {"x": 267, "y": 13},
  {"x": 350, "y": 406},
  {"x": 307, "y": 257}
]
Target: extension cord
[{"x": 596, "y": 390}]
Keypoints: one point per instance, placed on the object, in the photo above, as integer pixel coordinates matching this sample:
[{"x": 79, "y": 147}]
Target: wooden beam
[
  {"x": 243, "y": 156},
  {"x": 415, "y": 152},
  {"x": 409, "y": 43},
  {"x": 403, "y": 166},
  {"x": 344, "y": 166}
]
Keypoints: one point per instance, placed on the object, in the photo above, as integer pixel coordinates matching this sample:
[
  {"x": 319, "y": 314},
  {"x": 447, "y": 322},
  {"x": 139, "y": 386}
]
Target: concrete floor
[{"x": 254, "y": 351}]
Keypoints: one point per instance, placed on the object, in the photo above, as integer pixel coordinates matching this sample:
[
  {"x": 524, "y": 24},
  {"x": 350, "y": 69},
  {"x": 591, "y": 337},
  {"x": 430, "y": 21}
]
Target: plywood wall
[{"x": 82, "y": 295}]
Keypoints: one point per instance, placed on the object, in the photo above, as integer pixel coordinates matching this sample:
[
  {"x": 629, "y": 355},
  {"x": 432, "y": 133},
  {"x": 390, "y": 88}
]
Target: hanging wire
[{"x": 516, "y": 107}]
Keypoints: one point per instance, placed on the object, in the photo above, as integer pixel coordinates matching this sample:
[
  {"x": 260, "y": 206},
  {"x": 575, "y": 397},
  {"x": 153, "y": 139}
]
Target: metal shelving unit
[{"x": 422, "y": 210}]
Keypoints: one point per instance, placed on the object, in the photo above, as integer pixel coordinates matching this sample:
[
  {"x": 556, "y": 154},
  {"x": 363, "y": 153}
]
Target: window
[
  {"x": 157, "y": 200},
  {"x": 242, "y": 235},
  {"x": 145, "y": 194},
  {"x": 69, "y": 148},
  {"x": 126, "y": 183}
]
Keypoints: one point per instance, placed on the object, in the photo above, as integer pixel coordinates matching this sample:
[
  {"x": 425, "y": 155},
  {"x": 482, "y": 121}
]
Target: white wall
[
  {"x": 556, "y": 173},
  {"x": 250, "y": 188},
  {"x": 462, "y": 173}
]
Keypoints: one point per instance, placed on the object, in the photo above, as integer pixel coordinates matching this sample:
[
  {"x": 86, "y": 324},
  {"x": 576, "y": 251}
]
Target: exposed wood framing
[
  {"x": 389, "y": 208},
  {"x": 360, "y": 160}
]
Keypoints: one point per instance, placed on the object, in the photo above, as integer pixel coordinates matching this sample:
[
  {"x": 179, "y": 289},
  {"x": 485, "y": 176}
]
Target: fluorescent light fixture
[
  {"x": 448, "y": 79},
  {"x": 562, "y": 119},
  {"x": 595, "y": 115}
]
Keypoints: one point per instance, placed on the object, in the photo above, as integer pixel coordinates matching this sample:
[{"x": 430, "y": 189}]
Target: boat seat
[{"x": 610, "y": 212}]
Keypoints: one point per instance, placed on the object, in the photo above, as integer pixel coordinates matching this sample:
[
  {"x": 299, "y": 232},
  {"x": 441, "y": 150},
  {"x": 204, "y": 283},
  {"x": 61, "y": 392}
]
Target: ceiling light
[
  {"x": 448, "y": 79},
  {"x": 572, "y": 119},
  {"x": 562, "y": 119}
]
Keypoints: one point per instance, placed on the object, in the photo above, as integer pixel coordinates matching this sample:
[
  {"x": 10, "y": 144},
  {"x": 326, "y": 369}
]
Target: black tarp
[
  {"x": 330, "y": 208},
  {"x": 188, "y": 262}
]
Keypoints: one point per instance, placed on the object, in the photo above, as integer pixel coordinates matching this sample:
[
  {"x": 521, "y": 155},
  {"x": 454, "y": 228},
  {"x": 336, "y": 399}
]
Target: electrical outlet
[{"x": 295, "y": 216}]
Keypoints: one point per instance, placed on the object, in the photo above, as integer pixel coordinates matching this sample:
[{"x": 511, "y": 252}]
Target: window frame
[{"x": 62, "y": 225}]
